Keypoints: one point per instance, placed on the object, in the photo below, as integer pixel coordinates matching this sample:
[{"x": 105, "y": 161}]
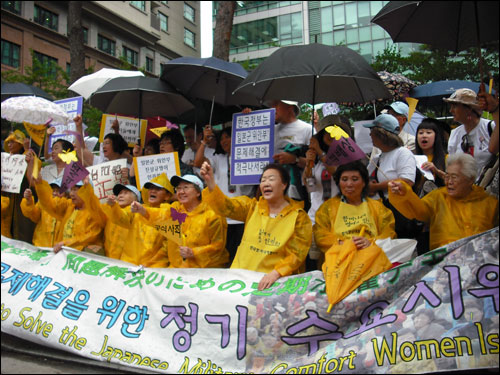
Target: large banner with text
[{"x": 438, "y": 312}]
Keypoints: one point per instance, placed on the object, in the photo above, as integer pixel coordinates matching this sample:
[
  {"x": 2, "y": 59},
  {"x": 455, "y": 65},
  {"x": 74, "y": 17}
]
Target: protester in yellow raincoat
[
  {"x": 460, "y": 209},
  {"x": 341, "y": 218},
  {"x": 47, "y": 228},
  {"x": 204, "y": 244},
  {"x": 6, "y": 219},
  {"x": 144, "y": 244},
  {"x": 115, "y": 236},
  {"x": 278, "y": 232},
  {"x": 81, "y": 228}
]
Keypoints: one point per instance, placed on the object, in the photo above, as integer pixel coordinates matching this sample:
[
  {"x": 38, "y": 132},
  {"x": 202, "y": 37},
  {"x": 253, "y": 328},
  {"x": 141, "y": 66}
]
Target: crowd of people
[{"x": 301, "y": 208}]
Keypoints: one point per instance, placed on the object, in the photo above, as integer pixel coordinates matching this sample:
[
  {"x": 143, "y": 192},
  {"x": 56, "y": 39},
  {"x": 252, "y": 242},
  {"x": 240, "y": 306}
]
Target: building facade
[
  {"x": 261, "y": 27},
  {"x": 145, "y": 33}
]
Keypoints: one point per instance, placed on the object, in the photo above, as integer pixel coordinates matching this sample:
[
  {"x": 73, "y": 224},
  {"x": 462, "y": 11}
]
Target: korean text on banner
[
  {"x": 13, "y": 169},
  {"x": 131, "y": 128},
  {"x": 72, "y": 106},
  {"x": 252, "y": 145},
  {"x": 105, "y": 176},
  {"x": 148, "y": 167}
]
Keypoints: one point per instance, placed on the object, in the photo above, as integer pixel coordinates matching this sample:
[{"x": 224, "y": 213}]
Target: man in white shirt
[{"x": 400, "y": 111}]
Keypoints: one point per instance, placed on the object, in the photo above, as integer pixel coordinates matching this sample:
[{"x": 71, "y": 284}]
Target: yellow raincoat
[
  {"x": 449, "y": 219},
  {"x": 144, "y": 244},
  {"x": 80, "y": 228},
  {"x": 6, "y": 217},
  {"x": 47, "y": 227},
  {"x": 326, "y": 233},
  {"x": 205, "y": 234},
  {"x": 268, "y": 244}
]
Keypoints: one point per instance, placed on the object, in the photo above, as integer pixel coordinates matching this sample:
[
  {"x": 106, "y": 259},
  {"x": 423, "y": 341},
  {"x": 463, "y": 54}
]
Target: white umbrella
[
  {"x": 87, "y": 85},
  {"x": 34, "y": 110}
]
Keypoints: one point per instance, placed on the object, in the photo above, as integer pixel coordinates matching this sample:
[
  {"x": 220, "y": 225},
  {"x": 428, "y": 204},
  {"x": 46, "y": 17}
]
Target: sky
[{"x": 206, "y": 28}]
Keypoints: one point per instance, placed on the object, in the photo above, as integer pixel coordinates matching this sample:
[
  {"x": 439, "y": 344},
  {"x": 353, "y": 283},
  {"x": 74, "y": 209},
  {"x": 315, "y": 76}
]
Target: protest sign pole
[{"x": 44, "y": 135}]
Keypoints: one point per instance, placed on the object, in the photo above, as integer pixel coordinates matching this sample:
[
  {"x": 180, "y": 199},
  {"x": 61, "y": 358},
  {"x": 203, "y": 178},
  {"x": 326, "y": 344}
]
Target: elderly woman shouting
[
  {"x": 278, "y": 232},
  {"x": 459, "y": 209}
]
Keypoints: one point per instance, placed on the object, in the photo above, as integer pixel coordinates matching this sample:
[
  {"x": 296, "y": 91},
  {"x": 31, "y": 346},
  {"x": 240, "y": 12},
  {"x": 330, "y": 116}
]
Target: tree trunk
[
  {"x": 75, "y": 38},
  {"x": 223, "y": 28}
]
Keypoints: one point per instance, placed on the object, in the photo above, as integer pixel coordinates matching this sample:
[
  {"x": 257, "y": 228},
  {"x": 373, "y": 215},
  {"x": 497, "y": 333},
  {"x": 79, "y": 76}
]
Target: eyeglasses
[
  {"x": 183, "y": 188},
  {"x": 466, "y": 143},
  {"x": 451, "y": 177},
  {"x": 165, "y": 142}
]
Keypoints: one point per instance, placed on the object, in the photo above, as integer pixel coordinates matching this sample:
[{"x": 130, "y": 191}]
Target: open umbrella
[
  {"x": 398, "y": 85},
  {"x": 10, "y": 90},
  {"x": 87, "y": 85},
  {"x": 432, "y": 94},
  {"x": 140, "y": 97},
  {"x": 314, "y": 73},
  {"x": 34, "y": 110}
]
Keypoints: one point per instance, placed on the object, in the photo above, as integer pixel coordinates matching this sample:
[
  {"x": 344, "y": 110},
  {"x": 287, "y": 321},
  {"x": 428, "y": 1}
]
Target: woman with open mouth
[{"x": 278, "y": 232}]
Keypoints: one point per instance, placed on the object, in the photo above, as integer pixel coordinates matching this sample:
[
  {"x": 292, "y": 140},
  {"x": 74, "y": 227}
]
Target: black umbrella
[
  {"x": 140, "y": 97},
  {"x": 22, "y": 89},
  {"x": 200, "y": 115},
  {"x": 315, "y": 73}
]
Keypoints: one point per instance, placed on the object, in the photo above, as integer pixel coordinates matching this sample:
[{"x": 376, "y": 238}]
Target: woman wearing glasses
[
  {"x": 473, "y": 136},
  {"x": 459, "y": 209}
]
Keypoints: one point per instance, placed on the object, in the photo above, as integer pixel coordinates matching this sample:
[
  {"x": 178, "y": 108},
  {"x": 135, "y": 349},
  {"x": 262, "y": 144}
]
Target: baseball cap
[
  {"x": 119, "y": 187},
  {"x": 385, "y": 121},
  {"x": 400, "y": 108},
  {"x": 296, "y": 107},
  {"x": 464, "y": 96},
  {"x": 162, "y": 182},
  {"x": 57, "y": 182},
  {"x": 190, "y": 178}
]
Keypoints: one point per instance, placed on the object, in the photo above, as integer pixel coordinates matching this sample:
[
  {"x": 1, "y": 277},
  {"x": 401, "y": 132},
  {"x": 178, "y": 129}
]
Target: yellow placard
[
  {"x": 159, "y": 131},
  {"x": 37, "y": 165},
  {"x": 412, "y": 104},
  {"x": 172, "y": 230},
  {"x": 36, "y": 132}
]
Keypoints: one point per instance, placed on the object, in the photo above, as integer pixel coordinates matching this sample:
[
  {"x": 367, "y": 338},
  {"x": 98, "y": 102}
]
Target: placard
[
  {"x": 130, "y": 129},
  {"x": 105, "y": 176},
  {"x": 150, "y": 166},
  {"x": 13, "y": 170},
  {"x": 73, "y": 107},
  {"x": 252, "y": 145}
]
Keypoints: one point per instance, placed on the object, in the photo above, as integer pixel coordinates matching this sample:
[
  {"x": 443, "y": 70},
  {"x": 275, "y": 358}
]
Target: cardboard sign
[
  {"x": 72, "y": 106},
  {"x": 148, "y": 167},
  {"x": 131, "y": 128},
  {"x": 252, "y": 145},
  {"x": 105, "y": 176},
  {"x": 13, "y": 170}
]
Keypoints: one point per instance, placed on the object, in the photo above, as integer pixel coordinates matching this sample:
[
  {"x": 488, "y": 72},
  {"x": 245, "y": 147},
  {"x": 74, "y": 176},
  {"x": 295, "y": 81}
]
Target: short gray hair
[{"x": 467, "y": 162}]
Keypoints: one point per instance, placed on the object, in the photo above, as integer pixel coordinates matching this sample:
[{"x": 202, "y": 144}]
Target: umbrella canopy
[
  {"x": 87, "y": 85},
  {"x": 200, "y": 115},
  {"x": 315, "y": 73},
  {"x": 22, "y": 89},
  {"x": 33, "y": 109},
  {"x": 433, "y": 93},
  {"x": 398, "y": 85},
  {"x": 207, "y": 78},
  {"x": 452, "y": 25},
  {"x": 140, "y": 97}
]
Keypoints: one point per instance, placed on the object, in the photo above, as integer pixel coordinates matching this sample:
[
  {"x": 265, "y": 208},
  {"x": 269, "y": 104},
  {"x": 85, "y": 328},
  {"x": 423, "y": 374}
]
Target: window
[
  {"x": 188, "y": 12},
  {"x": 47, "y": 61},
  {"x": 189, "y": 38},
  {"x": 163, "y": 22},
  {"x": 338, "y": 15},
  {"x": 149, "y": 64},
  {"x": 68, "y": 69},
  {"x": 139, "y": 5},
  {"x": 131, "y": 56},
  {"x": 12, "y": 6},
  {"x": 85, "y": 35},
  {"x": 326, "y": 20},
  {"x": 46, "y": 18},
  {"x": 106, "y": 45},
  {"x": 10, "y": 54}
]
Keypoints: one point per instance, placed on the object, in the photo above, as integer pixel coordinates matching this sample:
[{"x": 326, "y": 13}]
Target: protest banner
[
  {"x": 148, "y": 167},
  {"x": 437, "y": 312},
  {"x": 343, "y": 149},
  {"x": 13, "y": 169},
  {"x": 131, "y": 129},
  {"x": 252, "y": 145},
  {"x": 74, "y": 172},
  {"x": 72, "y": 106},
  {"x": 105, "y": 176}
]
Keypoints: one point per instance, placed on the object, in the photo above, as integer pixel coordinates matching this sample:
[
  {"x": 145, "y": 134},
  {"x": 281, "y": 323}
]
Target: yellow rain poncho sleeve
[
  {"x": 205, "y": 234},
  {"x": 144, "y": 244},
  {"x": 6, "y": 217},
  {"x": 268, "y": 244},
  {"x": 47, "y": 229},
  {"x": 325, "y": 234},
  {"x": 449, "y": 219}
]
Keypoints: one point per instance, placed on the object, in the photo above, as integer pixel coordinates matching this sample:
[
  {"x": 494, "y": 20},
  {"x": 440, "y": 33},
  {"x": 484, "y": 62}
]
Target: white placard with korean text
[
  {"x": 131, "y": 128},
  {"x": 105, "y": 176},
  {"x": 13, "y": 169},
  {"x": 148, "y": 167}
]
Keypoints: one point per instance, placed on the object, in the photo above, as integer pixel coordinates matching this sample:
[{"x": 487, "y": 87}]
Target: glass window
[
  {"x": 352, "y": 35},
  {"x": 339, "y": 37},
  {"x": 326, "y": 20},
  {"x": 354, "y": 47},
  {"x": 377, "y": 32},
  {"x": 325, "y": 3},
  {"x": 327, "y": 38},
  {"x": 68, "y": 69},
  {"x": 285, "y": 26},
  {"x": 255, "y": 32},
  {"x": 338, "y": 15},
  {"x": 163, "y": 22},
  {"x": 131, "y": 56},
  {"x": 12, "y": 6},
  {"x": 378, "y": 47},
  {"x": 297, "y": 25},
  {"x": 376, "y": 6},
  {"x": 48, "y": 61},
  {"x": 189, "y": 38},
  {"x": 364, "y": 13},
  {"x": 364, "y": 33},
  {"x": 139, "y": 5},
  {"x": 106, "y": 45},
  {"x": 46, "y": 18},
  {"x": 365, "y": 49},
  {"x": 149, "y": 64},
  {"x": 188, "y": 12},
  {"x": 351, "y": 14},
  {"x": 10, "y": 54}
]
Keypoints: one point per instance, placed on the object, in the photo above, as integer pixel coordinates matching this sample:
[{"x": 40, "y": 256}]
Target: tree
[
  {"x": 75, "y": 39},
  {"x": 223, "y": 29}
]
